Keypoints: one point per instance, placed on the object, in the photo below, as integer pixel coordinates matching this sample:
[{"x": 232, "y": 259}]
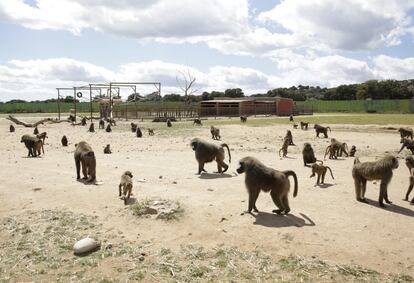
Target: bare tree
[{"x": 186, "y": 84}]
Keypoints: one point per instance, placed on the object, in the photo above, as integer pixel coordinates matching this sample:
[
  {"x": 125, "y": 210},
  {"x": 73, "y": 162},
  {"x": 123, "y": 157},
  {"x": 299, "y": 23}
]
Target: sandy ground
[{"x": 325, "y": 222}]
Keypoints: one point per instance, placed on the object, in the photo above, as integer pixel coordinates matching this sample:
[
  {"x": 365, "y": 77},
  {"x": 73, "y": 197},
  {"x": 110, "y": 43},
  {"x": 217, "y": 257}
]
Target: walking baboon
[
  {"x": 35, "y": 131},
  {"x": 150, "y": 131},
  {"x": 207, "y": 152},
  {"x": 409, "y": 161},
  {"x": 320, "y": 170},
  {"x": 64, "y": 141},
  {"x": 101, "y": 124},
  {"x": 336, "y": 149},
  {"x": 320, "y": 129},
  {"x": 32, "y": 144},
  {"x": 139, "y": 132},
  {"x": 406, "y": 132},
  {"x": 125, "y": 186},
  {"x": 38, "y": 147},
  {"x": 262, "y": 178},
  {"x": 92, "y": 128},
  {"x": 309, "y": 155},
  {"x": 42, "y": 136},
  {"x": 215, "y": 133},
  {"x": 84, "y": 155},
  {"x": 243, "y": 119},
  {"x": 284, "y": 147},
  {"x": 289, "y": 137},
  {"x": 295, "y": 126},
  {"x": 134, "y": 127},
  {"x": 197, "y": 121},
  {"x": 107, "y": 149},
  {"x": 409, "y": 144},
  {"x": 83, "y": 121},
  {"x": 370, "y": 171},
  {"x": 169, "y": 123},
  {"x": 352, "y": 151},
  {"x": 12, "y": 129},
  {"x": 108, "y": 128},
  {"x": 304, "y": 125}
]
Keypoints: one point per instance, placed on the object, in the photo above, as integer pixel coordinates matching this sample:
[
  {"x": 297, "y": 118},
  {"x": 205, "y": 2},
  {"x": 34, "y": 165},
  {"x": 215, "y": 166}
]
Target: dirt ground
[{"x": 325, "y": 223}]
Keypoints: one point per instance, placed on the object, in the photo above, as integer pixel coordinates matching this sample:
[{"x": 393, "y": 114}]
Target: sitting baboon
[
  {"x": 33, "y": 145},
  {"x": 262, "y": 178},
  {"x": 83, "y": 121},
  {"x": 409, "y": 161},
  {"x": 111, "y": 121},
  {"x": 12, "y": 129},
  {"x": 284, "y": 147},
  {"x": 409, "y": 144},
  {"x": 352, "y": 151},
  {"x": 101, "y": 124},
  {"x": 134, "y": 127},
  {"x": 406, "y": 132},
  {"x": 207, "y": 152},
  {"x": 107, "y": 149},
  {"x": 92, "y": 128},
  {"x": 291, "y": 118},
  {"x": 84, "y": 155},
  {"x": 289, "y": 137},
  {"x": 370, "y": 171},
  {"x": 125, "y": 186},
  {"x": 243, "y": 119},
  {"x": 336, "y": 149},
  {"x": 42, "y": 136},
  {"x": 295, "y": 126},
  {"x": 64, "y": 141},
  {"x": 215, "y": 133},
  {"x": 169, "y": 123},
  {"x": 308, "y": 155},
  {"x": 150, "y": 131},
  {"x": 197, "y": 121},
  {"x": 320, "y": 170},
  {"x": 108, "y": 128},
  {"x": 139, "y": 133},
  {"x": 72, "y": 118},
  {"x": 35, "y": 131},
  {"x": 320, "y": 129},
  {"x": 304, "y": 125}
]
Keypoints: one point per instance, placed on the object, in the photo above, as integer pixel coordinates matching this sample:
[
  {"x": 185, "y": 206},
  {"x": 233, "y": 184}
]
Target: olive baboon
[
  {"x": 291, "y": 118},
  {"x": 215, "y": 133},
  {"x": 169, "y": 123},
  {"x": 134, "y": 127},
  {"x": 32, "y": 144},
  {"x": 207, "y": 152},
  {"x": 64, "y": 141},
  {"x": 304, "y": 125},
  {"x": 406, "y": 132},
  {"x": 197, "y": 121},
  {"x": 125, "y": 186},
  {"x": 260, "y": 177},
  {"x": 12, "y": 129},
  {"x": 42, "y": 136},
  {"x": 35, "y": 131},
  {"x": 92, "y": 128},
  {"x": 84, "y": 155},
  {"x": 320, "y": 170},
  {"x": 139, "y": 133},
  {"x": 284, "y": 147},
  {"x": 38, "y": 147},
  {"x": 107, "y": 149},
  {"x": 409, "y": 144},
  {"x": 83, "y": 121},
  {"x": 108, "y": 128},
  {"x": 150, "y": 131},
  {"x": 289, "y": 137},
  {"x": 72, "y": 118},
  {"x": 336, "y": 149},
  {"x": 243, "y": 119},
  {"x": 101, "y": 124},
  {"x": 352, "y": 151},
  {"x": 309, "y": 155},
  {"x": 111, "y": 121},
  {"x": 320, "y": 129},
  {"x": 409, "y": 161},
  {"x": 295, "y": 126},
  {"x": 370, "y": 171}
]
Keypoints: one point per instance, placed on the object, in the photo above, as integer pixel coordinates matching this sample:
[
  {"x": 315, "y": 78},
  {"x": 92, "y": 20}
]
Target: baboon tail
[
  {"x": 295, "y": 178},
  {"x": 329, "y": 128},
  {"x": 331, "y": 172},
  {"x": 326, "y": 151},
  {"x": 43, "y": 150},
  {"x": 356, "y": 160},
  {"x": 228, "y": 149},
  {"x": 321, "y": 162}
]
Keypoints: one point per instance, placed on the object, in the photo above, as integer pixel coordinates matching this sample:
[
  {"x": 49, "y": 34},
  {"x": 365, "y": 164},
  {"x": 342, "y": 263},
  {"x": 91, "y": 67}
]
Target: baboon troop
[
  {"x": 215, "y": 133},
  {"x": 12, "y": 129},
  {"x": 107, "y": 149},
  {"x": 35, "y": 131},
  {"x": 304, "y": 125},
  {"x": 409, "y": 161},
  {"x": 101, "y": 124},
  {"x": 262, "y": 178},
  {"x": 42, "y": 136},
  {"x": 352, "y": 151},
  {"x": 33, "y": 144},
  {"x": 370, "y": 171},
  {"x": 108, "y": 128},
  {"x": 134, "y": 127},
  {"x": 125, "y": 186},
  {"x": 92, "y": 128},
  {"x": 64, "y": 141},
  {"x": 243, "y": 119},
  {"x": 169, "y": 125},
  {"x": 407, "y": 143},
  {"x": 308, "y": 154},
  {"x": 406, "y": 133},
  {"x": 85, "y": 156},
  {"x": 320, "y": 170},
  {"x": 150, "y": 131},
  {"x": 207, "y": 152},
  {"x": 197, "y": 122},
  {"x": 139, "y": 133},
  {"x": 83, "y": 121},
  {"x": 321, "y": 130}
]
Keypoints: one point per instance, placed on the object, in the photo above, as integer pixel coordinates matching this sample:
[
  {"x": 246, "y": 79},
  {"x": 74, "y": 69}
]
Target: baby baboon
[
  {"x": 409, "y": 144},
  {"x": 304, "y": 125},
  {"x": 409, "y": 161},
  {"x": 12, "y": 129},
  {"x": 215, "y": 133},
  {"x": 284, "y": 147},
  {"x": 352, "y": 151},
  {"x": 92, "y": 128},
  {"x": 108, "y": 128},
  {"x": 295, "y": 126},
  {"x": 42, "y": 136},
  {"x": 83, "y": 121},
  {"x": 320, "y": 129},
  {"x": 35, "y": 131},
  {"x": 38, "y": 147},
  {"x": 406, "y": 132},
  {"x": 32, "y": 144},
  {"x": 320, "y": 170},
  {"x": 169, "y": 123},
  {"x": 64, "y": 141},
  {"x": 291, "y": 118},
  {"x": 197, "y": 121},
  {"x": 134, "y": 127},
  {"x": 107, "y": 149},
  {"x": 370, "y": 171},
  {"x": 207, "y": 152},
  {"x": 84, "y": 155},
  {"x": 101, "y": 124},
  {"x": 308, "y": 155},
  {"x": 125, "y": 186},
  {"x": 289, "y": 137},
  {"x": 260, "y": 177},
  {"x": 150, "y": 131},
  {"x": 243, "y": 119},
  {"x": 139, "y": 133}
]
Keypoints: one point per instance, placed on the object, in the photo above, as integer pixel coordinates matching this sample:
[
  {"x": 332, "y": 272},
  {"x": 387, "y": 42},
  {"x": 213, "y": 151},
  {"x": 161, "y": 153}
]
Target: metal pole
[
  {"x": 90, "y": 100},
  {"x": 58, "y": 104},
  {"x": 110, "y": 100},
  {"x": 74, "y": 100}
]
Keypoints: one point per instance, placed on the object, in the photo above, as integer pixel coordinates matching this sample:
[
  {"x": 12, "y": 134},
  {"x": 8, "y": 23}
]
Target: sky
[{"x": 255, "y": 45}]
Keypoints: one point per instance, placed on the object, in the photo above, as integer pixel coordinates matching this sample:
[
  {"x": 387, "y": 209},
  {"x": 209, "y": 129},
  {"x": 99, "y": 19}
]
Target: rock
[{"x": 85, "y": 245}]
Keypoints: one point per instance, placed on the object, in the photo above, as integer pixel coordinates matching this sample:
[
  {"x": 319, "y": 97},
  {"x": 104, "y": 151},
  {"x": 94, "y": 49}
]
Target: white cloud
[{"x": 391, "y": 68}]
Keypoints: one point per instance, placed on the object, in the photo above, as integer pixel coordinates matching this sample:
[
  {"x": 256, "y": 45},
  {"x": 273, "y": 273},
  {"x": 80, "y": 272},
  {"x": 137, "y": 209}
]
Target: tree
[
  {"x": 186, "y": 84},
  {"x": 134, "y": 97},
  {"x": 234, "y": 92}
]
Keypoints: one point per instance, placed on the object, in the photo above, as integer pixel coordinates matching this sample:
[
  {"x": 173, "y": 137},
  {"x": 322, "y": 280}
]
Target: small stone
[
  {"x": 85, "y": 245},
  {"x": 160, "y": 177}
]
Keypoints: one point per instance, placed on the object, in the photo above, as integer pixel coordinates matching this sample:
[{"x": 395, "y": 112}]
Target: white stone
[{"x": 85, "y": 245}]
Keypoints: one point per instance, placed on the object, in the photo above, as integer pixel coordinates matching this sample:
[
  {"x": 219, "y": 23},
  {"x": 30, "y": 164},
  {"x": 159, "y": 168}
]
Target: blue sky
[{"x": 256, "y": 45}]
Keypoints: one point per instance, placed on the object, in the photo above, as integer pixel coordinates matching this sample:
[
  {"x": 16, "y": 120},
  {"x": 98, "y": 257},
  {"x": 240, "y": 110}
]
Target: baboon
[
  {"x": 107, "y": 149},
  {"x": 291, "y": 118},
  {"x": 169, "y": 123},
  {"x": 289, "y": 137},
  {"x": 284, "y": 147},
  {"x": 370, "y": 171},
  {"x": 406, "y": 132},
  {"x": 38, "y": 147},
  {"x": 197, "y": 121},
  {"x": 336, "y": 149},
  {"x": 108, "y": 128},
  {"x": 150, "y": 131},
  {"x": 215, "y": 133},
  {"x": 12, "y": 129},
  {"x": 32, "y": 144},
  {"x": 72, "y": 118},
  {"x": 352, "y": 151},
  {"x": 320, "y": 129},
  {"x": 139, "y": 133},
  {"x": 42, "y": 136},
  {"x": 295, "y": 126},
  {"x": 207, "y": 152},
  {"x": 83, "y": 121},
  {"x": 308, "y": 155},
  {"x": 125, "y": 186},
  {"x": 92, "y": 128},
  {"x": 409, "y": 161},
  {"x": 111, "y": 121},
  {"x": 64, "y": 141},
  {"x": 101, "y": 124},
  {"x": 84, "y": 155},
  {"x": 260, "y": 177},
  {"x": 304, "y": 125},
  {"x": 409, "y": 144},
  {"x": 320, "y": 170},
  {"x": 133, "y": 127},
  {"x": 243, "y": 119},
  {"x": 35, "y": 131}
]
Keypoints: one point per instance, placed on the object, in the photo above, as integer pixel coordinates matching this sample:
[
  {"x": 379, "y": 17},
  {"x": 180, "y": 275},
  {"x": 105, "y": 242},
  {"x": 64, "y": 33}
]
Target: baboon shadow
[
  {"x": 323, "y": 186},
  {"x": 278, "y": 221},
  {"x": 392, "y": 207},
  {"x": 208, "y": 176},
  {"x": 86, "y": 182},
  {"x": 131, "y": 201}
]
